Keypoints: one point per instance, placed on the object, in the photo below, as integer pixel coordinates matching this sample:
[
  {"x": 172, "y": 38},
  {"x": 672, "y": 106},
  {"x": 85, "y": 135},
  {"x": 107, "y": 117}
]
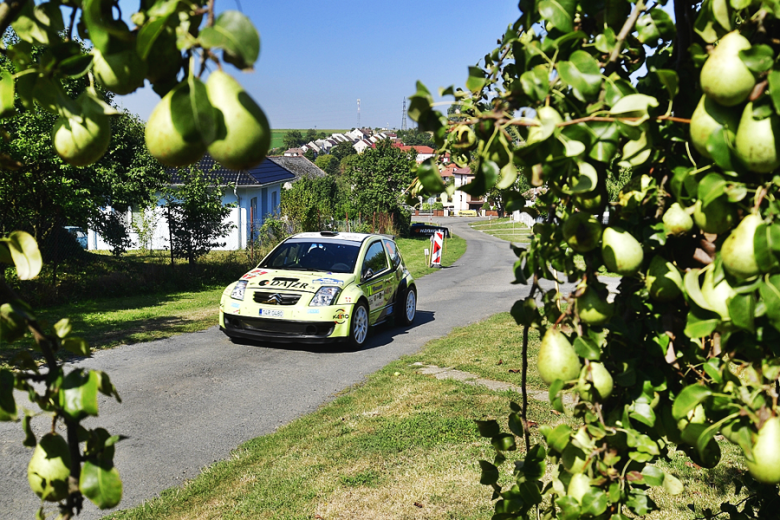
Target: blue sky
[{"x": 317, "y": 58}]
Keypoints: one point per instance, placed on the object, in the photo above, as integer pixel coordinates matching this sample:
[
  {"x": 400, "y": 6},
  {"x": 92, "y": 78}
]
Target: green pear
[
  {"x": 663, "y": 280},
  {"x": 716, "y": 217},
  {"x": 592, "y": 309},
  {"x": 739, "y": 258},
  {"x": 758, "y": 141},
  {"x": 601, "y": 386},
  {"x": 765, "y": 466},
  {"x": 81, "y": 140},
  {"x": 243, "y": 132},
  {"x": 677, "y": 221},
  {"x": 717, "y": 295},
  {"x": 724, "y": 77},
  {"x": 49, "y": 468},
  {"x": 578, "y": 486},
  {"x": 622, "y": 253},
  {"x": 708, "y": 117},
  {"x": 582, "y": 232},
  {"x": 556, "y": 358},
  {"x": 122, "y": 72},
  {"x": 164, "y": 141}
]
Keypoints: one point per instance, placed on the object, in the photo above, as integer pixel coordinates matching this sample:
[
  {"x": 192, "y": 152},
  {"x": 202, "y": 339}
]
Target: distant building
[{"x": 294, "y": 152}]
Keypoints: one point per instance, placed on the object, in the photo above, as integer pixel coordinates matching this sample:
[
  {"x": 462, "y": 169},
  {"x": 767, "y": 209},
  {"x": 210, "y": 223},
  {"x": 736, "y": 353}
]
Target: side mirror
[{"x": 368, "y": 274}]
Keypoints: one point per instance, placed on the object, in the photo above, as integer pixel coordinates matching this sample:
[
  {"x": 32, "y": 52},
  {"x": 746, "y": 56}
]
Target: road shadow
[{"x": 379, "y": 336}]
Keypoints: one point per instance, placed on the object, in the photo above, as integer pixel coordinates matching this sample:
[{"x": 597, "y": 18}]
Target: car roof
[{"x": 334, "y": 235}]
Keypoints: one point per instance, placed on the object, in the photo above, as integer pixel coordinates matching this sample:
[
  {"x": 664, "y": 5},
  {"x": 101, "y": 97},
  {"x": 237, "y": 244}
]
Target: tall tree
[
  {"x": 293, "y": 139},
  {"x": 343, "y": 149},
  {"x": 328, "y": 163},
  {"x": 379, "y": 177},
  {"x": 196, "y": 216}
]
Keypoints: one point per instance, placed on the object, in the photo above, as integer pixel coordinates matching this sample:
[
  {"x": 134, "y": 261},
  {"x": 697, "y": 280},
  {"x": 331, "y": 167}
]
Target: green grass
[
  {"x": 107, "y": 322},
  {"x": 505, "y": 229},
  {"x": 277, "y": 134},
  {"x": 401, "y": 445}
]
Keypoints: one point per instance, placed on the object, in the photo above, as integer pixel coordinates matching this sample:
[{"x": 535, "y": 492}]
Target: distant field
[{"x": 279, "y": 133}]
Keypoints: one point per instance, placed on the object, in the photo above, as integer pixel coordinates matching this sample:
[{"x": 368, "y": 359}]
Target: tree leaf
[
  {"x": 594, "y": 502},
  {"x": 654, "y": 26},
  {"x": 670, "y": 80},
  {"x": 706, "y": 25},
  {"x": 148, "y": 35},
  {"x": 710, "y": 188},
  {"x": 529, "y": 492},
  {"x": 570, "y": 507},
  {"x": 100, "y": 482},
  {"x": 690, "y": 397},
  {"x": 235, "y": 34},
  {"x": 559, "y": 438},
  {"x": 582, "y": 73},
  {"x": 8, "y": 410},
  {"x": 634, "y": 106},
  {"x": 560, "y": 13},
  {"x": 653, "y": 476},
  {"x": 765, "y": 259},
  {"x": 587, "y": 348},
  {"x": 77, "y": 346},
  {"x": 693, "y": 290},
  {"x": 758, "y": 58},
  {"x": 78, "y": 394},
  {"x": 606, "y": 41},
  {"x": 535, "y": 463},
  {"x": 606, "y": 143},
  {"x": 774, "y": 88},
  {"x": 672, "y": 484},
  {"x": 7, "y": 107},
  {"x": 720, "y": 148},
  {"x": 770, "y": 293},
  {"x": 504, "y": 442},
  {"x": 701, "y": 322},
  {"x": 192, "y": 112},
  {"x": 477, "y": 79},
  {"x": 721, "y": 13},
  {"x": 535, "y": 83},
  {"x": 488, "y": 428},
  {"x": 429, "y": 176},
  {"x": 25, "y": 254}
]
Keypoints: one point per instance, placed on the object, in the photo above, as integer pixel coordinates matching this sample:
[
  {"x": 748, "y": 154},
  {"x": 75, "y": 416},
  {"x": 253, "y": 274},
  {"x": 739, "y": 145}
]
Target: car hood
[{"x": 299, "y": 281}]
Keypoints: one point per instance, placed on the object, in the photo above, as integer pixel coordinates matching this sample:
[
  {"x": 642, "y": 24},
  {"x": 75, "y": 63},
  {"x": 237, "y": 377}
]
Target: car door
[{"x": 378, "y": 279}]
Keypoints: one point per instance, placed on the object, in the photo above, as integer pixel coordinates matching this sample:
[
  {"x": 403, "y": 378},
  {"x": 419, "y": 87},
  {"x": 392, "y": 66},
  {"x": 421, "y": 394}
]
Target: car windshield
[{"x": 336, "y": 256}]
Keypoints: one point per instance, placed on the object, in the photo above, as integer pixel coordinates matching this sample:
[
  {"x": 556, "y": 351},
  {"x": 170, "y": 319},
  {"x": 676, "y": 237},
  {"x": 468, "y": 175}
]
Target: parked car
[
  {"x": 78, "y": 234},
  {"x": 321, "y": 287}
]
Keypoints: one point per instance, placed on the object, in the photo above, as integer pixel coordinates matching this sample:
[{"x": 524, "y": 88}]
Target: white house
[
  {"x": 340, "y": 138},
  {"x": 255, "y": 192},
  {"x": 311, "y": 146},
  {"x": 357, "y": 134},
  {"x": 361, "y": 145},
  {"x": 461, "y": 200},
  {"x": 294, "y": 152},
  {"x": 324, "y": 145}
]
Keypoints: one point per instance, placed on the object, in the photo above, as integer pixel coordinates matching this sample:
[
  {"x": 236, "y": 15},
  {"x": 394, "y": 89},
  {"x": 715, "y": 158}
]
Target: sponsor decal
[
  {"x": 341, "y": 316},
  {"x": 253, "y": 273},
  {"x": 348, "y": 299},
  {"x": 235, "y": 305},
  {"x": 388, "y": 291},
  {"x": 287, "y": 283},
  {"x": 313, "y": 311},
  {"x": 328, "y": 281},
  {"x": 375, "y": 288}
]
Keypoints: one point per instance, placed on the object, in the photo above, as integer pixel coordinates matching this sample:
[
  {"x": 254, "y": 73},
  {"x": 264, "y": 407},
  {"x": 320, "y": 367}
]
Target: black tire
[
  {"x": 358, "y": 326},
  {"x": 407, "y": 307}
]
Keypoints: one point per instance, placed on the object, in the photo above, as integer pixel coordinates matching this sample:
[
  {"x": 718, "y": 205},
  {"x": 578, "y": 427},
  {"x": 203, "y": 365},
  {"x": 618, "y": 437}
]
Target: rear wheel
[
  {"x": 358, "y": 326},
  {"x": 407, "y": 309}
]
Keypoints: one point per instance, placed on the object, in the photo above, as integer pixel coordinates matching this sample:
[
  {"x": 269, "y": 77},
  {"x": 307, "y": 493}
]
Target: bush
[
  {"x": 438, "y": 206},
  {"x": 426, "y": 206}
]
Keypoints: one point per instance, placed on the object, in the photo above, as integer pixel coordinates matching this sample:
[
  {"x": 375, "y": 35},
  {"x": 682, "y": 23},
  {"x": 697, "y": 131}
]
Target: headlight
[
  {"x": 325, "y": 296},
  {"x": 239, "y": 290}
]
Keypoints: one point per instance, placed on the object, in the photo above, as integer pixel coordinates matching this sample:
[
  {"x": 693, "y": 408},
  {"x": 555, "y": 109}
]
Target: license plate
[{"x": 272, "y": 313}]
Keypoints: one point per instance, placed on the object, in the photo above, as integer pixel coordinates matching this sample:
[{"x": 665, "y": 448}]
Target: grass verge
[
  {"x": 401, "y": 445},
  {"x": 505, "y": 229},
  {"x": 107, "y": 322}
]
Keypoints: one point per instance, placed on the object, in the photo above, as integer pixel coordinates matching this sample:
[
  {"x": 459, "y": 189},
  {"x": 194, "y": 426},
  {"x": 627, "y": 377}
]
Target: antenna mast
[
  {"x": 403, "y": 116},
  {"x": 358, "y": 121}
]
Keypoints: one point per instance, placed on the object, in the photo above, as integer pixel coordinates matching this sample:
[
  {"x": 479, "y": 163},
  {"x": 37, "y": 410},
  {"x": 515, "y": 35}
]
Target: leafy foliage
[
  {"x": 56, "y": 97},
  {"x": 600, "y": 101},
  {"x": 196, "y": 216}
]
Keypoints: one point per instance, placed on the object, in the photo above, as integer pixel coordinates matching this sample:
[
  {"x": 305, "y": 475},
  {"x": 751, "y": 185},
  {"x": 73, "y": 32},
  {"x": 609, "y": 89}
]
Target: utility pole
[{"x": 403, "y": 116}]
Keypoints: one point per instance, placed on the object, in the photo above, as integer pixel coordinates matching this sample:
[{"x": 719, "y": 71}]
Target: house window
[
  {"x": 253, "y": 209},
  {"x": 274, "y": 201}
]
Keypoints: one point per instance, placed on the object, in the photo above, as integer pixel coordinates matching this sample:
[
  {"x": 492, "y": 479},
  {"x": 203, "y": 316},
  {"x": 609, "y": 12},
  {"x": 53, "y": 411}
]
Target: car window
[
  {"x": 376, "y": 260},
  {"x": 393, "y": 253},
  {"x": 308, "y": 255}
]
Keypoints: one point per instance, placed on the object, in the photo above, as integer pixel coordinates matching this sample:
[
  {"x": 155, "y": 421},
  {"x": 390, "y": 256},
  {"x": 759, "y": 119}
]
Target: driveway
[{"x": 189, "y": 400}]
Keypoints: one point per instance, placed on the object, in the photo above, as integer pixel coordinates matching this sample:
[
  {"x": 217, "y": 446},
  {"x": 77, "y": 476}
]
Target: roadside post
[{"x": 437, "y": 242}]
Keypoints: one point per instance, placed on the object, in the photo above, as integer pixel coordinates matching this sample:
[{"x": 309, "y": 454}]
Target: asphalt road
[{"x": 189, "y": 400}]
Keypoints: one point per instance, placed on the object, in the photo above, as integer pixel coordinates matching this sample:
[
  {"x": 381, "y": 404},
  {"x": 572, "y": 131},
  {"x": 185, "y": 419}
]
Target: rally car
[{"x": 321, "y": 287}]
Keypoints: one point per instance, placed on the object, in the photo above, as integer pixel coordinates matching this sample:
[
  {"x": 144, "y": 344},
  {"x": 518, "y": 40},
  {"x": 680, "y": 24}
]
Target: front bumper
[{"x": 278, "y": 331}]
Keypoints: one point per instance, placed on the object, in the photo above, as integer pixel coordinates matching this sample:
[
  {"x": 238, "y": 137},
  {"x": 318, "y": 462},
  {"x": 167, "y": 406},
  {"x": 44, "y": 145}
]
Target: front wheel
[
  {"x": 358, "y": 326},
  {"x": 408, "y": 309}
]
